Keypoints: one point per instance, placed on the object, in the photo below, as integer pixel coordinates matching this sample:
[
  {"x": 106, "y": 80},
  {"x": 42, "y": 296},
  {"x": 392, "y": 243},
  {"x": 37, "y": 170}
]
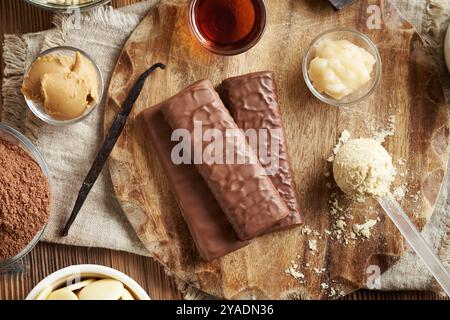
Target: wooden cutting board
[{"x": 409, "y": 91}]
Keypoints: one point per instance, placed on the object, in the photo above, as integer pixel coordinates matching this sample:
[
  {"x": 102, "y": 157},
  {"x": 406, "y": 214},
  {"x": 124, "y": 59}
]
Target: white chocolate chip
[
  {"x": 62, "y": 294},
  {"x": 105, "y": 289},
  {"x": 126, "y": 295},
  {"x": 312, "y": 244},
  {"x": 80, "y": 285}
]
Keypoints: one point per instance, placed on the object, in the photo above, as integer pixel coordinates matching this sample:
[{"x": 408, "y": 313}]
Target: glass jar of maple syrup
[{"x": 228, "y": 27}]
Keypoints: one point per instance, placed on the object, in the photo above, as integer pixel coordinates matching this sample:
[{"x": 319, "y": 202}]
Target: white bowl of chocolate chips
[
  {"x": 25, "y": 202},
  {"x": 88, "y": 282}
]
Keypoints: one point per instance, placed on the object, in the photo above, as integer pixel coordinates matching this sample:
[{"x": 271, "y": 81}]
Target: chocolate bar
[
  {"x": 212, "y": 233},
  {"x": 253, "y": 104},
  {"x": 241, "y": 187}
]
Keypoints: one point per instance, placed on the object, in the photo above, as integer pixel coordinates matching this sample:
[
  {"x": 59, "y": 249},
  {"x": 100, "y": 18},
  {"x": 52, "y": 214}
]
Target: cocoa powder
[{"x": 24, "y": 199}]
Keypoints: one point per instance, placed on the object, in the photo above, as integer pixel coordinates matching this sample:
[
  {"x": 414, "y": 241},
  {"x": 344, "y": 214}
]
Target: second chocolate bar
[
  {"x": 253, "y": 102},
  {"x": 241, "y": 187}
]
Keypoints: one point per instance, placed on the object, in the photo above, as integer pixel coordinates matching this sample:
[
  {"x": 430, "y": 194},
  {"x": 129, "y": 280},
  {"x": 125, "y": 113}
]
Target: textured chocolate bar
[
  {"x": 242, "y": 189},
  {"x": 253, "y": 102},
  {"x": 212, "y": 233}
]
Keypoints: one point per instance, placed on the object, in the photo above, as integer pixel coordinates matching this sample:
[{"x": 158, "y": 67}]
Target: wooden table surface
[{"x": 17, "y": 17}]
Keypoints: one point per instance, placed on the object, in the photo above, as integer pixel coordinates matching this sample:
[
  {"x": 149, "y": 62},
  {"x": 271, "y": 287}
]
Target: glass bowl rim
[
  {"x": 56, "y": 122},
  {"x": 38, "y": 157},
  {"x": 325, "y": 98},
  {"x": 63, "y": 7}
]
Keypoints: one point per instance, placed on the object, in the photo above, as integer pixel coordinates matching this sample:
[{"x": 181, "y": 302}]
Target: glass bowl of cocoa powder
[{"x": 25, "y": 199}]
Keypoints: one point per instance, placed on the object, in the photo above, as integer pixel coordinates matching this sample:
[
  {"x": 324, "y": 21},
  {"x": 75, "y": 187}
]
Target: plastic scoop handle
[{"x": 416, "y": 241}]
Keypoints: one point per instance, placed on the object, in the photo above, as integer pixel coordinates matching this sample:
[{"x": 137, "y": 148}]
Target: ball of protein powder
[{"x": 362, "y": 167}]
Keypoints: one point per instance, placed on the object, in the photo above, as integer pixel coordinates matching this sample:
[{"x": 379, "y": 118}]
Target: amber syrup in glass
[{"x": 228, "y": 26}]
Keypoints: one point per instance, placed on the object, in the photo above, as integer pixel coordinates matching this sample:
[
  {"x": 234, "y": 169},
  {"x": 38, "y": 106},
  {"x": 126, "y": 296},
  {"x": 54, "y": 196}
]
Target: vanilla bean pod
[{"x": 110, "y": 141}]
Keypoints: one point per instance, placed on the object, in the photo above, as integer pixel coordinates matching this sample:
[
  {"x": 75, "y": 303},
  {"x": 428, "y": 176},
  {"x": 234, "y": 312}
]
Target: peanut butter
[
  {"x": 65, "y": 95},
  {"x": 66, "y": 86},
  {"x": 84, "y": 68},
  {"x": 48, "y": 64}
]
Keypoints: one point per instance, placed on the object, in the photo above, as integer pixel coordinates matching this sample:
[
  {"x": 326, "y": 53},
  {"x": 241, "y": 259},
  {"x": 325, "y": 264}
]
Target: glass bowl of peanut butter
[{"x": 63, "y": 86}]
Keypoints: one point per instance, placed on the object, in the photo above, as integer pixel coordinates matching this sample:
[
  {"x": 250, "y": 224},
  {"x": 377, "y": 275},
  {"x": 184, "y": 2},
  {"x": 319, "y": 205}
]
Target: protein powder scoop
[{"x": 363, "y": 167}]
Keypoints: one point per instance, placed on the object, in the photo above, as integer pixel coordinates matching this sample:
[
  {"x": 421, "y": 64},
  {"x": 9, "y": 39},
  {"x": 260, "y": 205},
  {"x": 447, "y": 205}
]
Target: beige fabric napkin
[{"x": 70, "y": 151}]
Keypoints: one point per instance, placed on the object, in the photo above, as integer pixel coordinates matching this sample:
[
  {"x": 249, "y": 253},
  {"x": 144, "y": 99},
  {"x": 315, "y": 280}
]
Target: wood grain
[
  {"x": 17, "y": 17},
  {"x": 312, "y": 130}
]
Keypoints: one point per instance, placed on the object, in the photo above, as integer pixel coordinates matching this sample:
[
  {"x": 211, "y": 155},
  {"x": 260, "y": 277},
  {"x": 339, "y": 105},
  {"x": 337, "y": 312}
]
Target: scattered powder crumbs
[
  {"x": 345, "y": 136},
  {"x": 294, "y": 272},
  {"x": 317, "y": 234},
  {"x": 364, "y": 230},
  {"x": 389, "y": 131},
  {"x": 330, "y": 291},
  {"x": 319, "y": 270},
  {"x": 340, "y": 218},
  {"x": 312, "y": 244},
  {"x": 343, "y": 229},
  {"x": 340, "y": 224},
  {"x": 400, "y": 192},
  {"x": 306, "y": 230},
  {"x": 415, "y": 197},
  {"x": 334, "y": 293}
]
